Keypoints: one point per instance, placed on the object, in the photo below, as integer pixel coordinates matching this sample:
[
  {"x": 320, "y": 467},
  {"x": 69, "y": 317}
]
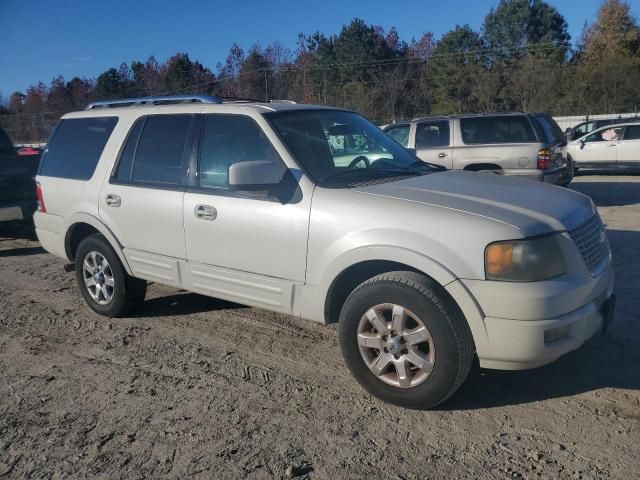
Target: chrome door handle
[
  {"x": 205, "y": 212},
  {"x": 612, "y": 145},
  {"x": 113, "y": 200},
  {"x": 442, "y": 155}
]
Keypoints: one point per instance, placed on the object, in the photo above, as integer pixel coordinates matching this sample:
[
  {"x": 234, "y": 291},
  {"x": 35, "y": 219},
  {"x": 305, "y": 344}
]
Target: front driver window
[{"x": 228, "y": 139}]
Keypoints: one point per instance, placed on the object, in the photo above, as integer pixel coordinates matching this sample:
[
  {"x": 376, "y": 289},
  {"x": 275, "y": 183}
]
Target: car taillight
[
  {"x": 544, "y": 158},
  {"x": 41, "y": 207}
]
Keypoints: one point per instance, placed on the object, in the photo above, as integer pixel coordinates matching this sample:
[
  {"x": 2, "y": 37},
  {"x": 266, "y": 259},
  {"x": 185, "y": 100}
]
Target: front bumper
[
  {"x": 530, "y": 325},
  {"x": 523, "y": 344}
]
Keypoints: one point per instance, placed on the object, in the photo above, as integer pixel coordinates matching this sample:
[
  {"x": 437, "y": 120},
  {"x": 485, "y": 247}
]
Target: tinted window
[
  {"x": 632, "y": 133},
  {"x": 432, "y": 134},
  {"x": 399, "y": 134},
  {"x": 228, "y": 139},
  {"x": 125, "y": 164},
  {"x": 582, "y": 129},
  {"x": 548, "y": 128},
  {"x": 159, "y": 156},
  {"x": 507, "y": 129},
  {"x": 76, "y": 146}
]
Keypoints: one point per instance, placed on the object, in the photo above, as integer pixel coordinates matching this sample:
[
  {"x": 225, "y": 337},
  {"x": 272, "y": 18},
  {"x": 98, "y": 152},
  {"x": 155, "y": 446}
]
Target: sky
[{"x": 40, "y": 39}]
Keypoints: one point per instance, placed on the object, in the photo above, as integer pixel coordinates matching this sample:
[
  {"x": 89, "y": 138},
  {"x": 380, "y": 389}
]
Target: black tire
[
  {"x": 453, "y": 343},
  {"x": 128, "y": 292}
]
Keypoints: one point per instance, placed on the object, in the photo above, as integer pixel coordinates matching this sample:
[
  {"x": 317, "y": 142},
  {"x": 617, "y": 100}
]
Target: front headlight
[{"x": 530, "y": 260}]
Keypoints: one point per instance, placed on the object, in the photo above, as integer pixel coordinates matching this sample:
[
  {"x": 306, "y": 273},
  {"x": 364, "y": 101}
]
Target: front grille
[{"x": 591, "y": 240}]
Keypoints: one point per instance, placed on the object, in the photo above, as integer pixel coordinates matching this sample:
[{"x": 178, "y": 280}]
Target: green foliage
[{"x": 526, "y": 27}]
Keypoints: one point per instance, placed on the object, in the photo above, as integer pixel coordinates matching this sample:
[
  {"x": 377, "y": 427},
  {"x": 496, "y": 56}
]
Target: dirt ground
[{"x": 193, "y": 387}]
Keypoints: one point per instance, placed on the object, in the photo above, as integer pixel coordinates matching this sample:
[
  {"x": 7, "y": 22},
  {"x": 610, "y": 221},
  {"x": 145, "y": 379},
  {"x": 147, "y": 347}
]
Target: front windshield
[{"x": 336, "y": 147}]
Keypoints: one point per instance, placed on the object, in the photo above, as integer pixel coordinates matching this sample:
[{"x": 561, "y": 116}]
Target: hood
[{"x": 534, "y": 208}]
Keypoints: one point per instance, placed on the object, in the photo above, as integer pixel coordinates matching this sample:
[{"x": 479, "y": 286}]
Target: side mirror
[
  {"x": 582, "y": 142},
  {"x": 254, "y": 175}
]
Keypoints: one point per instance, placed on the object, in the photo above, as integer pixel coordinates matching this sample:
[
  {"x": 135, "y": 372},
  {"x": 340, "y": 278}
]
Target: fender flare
[
  {"x": 414, "y": 259},
  {"x": 100, "y": 227}
]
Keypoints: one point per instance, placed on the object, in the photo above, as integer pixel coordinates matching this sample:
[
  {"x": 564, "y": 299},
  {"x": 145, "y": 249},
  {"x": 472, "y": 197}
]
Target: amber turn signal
[{"x": 499, "y": 258}]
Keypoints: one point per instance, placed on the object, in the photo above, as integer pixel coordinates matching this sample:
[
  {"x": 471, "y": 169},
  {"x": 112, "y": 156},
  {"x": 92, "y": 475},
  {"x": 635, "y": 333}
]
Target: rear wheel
[
  {"x": 403, "y": 341},
  {"x": 103, "y": 281}
]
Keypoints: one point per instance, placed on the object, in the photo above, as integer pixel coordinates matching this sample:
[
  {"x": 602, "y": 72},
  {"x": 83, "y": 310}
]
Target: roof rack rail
[
  {"x": 160, "y": 100},
  {"x": 276, "y": 100}
]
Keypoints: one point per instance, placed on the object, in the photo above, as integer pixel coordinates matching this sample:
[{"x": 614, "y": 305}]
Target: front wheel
[
  {"x": 103, "y": 281},
  {"x": 404, "y": 342}
]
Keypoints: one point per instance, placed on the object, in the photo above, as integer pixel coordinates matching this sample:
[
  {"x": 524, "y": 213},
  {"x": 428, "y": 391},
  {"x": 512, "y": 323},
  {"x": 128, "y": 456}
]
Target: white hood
[{"x": 534, "y": 208}]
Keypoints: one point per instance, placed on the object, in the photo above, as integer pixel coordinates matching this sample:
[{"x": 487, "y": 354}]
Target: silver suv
[
  {"x": 315, "y": 212},
  {"x": 527, "y": 145}
]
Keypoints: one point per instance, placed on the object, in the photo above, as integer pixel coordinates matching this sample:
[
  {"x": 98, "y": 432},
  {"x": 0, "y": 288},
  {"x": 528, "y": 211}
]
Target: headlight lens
[{"x": 525, "y": 260}]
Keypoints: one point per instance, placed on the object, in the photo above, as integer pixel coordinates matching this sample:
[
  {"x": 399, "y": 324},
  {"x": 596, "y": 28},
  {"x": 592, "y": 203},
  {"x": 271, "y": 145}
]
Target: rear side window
[
  {"x": 432, "y": 134},
  {"x": 154, "y": 151},
  {"x": 400, "y": 134},
  {"x": 632, "y": 132},
  {"x": 492, "y": 130},
  {"x": 228, "y": 139},
  {"x": 548, "y": 128},
  {"x": 76, "y": 146}
]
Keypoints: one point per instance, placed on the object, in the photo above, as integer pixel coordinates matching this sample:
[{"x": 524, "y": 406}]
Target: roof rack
[
  {"x": 277, "y": 100},
  {"x": 161, "y": 100}
]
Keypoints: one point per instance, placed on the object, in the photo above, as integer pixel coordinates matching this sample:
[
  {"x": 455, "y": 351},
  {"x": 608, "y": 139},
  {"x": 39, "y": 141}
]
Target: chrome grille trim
[{"x": 591, "y": 240}]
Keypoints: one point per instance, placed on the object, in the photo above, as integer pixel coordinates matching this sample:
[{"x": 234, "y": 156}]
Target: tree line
[{"x": 523, "y": 58}]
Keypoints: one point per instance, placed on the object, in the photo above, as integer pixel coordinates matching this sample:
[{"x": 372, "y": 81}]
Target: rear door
[
  {"x": 143, "y": 200},
  {"x": 433, "y": 142},
  {"x": 629, "y": 147}
]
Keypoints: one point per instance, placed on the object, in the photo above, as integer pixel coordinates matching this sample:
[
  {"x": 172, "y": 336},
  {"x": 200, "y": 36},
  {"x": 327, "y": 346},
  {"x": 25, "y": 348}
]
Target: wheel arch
[
  {"x": 82, "y": 225},
  {"x": 353, "y": 268}
]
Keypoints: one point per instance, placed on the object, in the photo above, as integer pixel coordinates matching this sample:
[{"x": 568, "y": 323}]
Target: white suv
[{"x": 255, "y": 203}]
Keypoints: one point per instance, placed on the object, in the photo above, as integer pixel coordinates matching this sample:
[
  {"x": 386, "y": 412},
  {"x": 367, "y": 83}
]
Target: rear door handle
[
  {"x": 205, "y": 212},
  {"x": 442, "y": 155},
  {"x": 113, "y": 200}
]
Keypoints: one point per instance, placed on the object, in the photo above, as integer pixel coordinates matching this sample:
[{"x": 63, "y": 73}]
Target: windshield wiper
[{"x": 391, "y": 172}]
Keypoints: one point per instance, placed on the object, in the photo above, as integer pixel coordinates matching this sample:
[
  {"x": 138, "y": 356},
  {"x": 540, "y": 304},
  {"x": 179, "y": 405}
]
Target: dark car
[{"x": 17, "y": 183}]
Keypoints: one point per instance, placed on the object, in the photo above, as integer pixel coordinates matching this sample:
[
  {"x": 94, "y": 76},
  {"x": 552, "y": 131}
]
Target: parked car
[
  {"x": 17, "y": 184},
  {"x": 589, "y": 126},
  {"x": 613, "y": 146},
  {"x": 527, "y": 145},
  {"x": 424, "y": 269}
]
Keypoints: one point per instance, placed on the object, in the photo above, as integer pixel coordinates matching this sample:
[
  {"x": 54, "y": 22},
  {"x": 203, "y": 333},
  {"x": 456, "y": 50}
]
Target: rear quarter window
[
  {"x": 495, "y": 130},
  {"x": 76, "y": 146}
]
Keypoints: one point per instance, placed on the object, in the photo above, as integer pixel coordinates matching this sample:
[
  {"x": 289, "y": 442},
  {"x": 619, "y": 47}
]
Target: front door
[
  {"x": 248, "y": 247},
  {"x": 433, "y": 142},
  {"x": 598, "y": 149}
]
